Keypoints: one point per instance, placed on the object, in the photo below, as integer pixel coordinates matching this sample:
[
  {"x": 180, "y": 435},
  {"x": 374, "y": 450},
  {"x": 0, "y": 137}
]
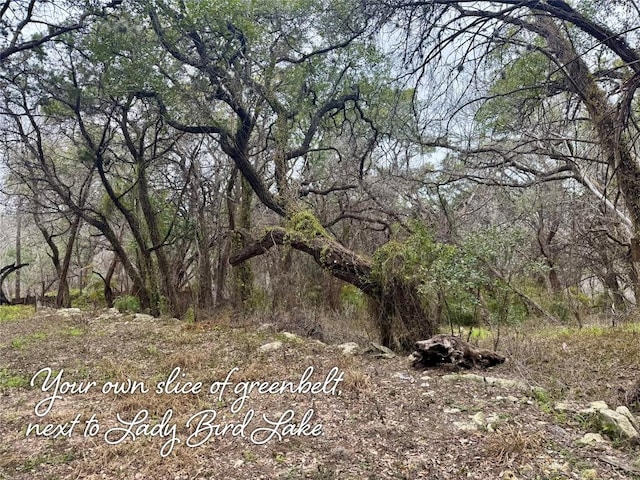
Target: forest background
[{"x": 413, "y": 164}]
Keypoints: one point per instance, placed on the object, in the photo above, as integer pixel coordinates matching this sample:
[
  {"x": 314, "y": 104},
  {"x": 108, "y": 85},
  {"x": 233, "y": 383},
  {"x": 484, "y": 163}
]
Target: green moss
[{"x": 306, "y": 224}]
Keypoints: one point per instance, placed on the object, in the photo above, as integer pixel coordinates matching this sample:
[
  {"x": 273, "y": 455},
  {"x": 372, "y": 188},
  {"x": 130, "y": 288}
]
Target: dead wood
[{"x": 447, "y": 349}]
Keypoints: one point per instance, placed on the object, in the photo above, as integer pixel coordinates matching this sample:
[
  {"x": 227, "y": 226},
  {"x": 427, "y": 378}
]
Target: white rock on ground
[
  {"x": 627, "y": 413},
  {"x": 589, "y": 438},
  {"x": 270, "y": 347},
  {"x": 495, "y": 381},
  {"x": 619, "y": 422},
  {"x": 349, "y": 348},
  {"x": 289, "y": 336}
]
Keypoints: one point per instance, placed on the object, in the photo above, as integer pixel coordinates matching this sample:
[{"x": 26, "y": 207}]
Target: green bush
[
  {"x": 351, "y": 296},
  {"x": 127, "y": 304}
]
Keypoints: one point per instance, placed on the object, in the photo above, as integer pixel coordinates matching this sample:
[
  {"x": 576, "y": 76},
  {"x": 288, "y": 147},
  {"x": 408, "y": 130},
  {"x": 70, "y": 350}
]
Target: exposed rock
[
  {"x": 143, "y": 317},
  {"x": 349, "y": 348},
  {"x": 565, "y": 407},
  {"x": 452, "y": 410},
  {"x": 508, "y": 475},
  {"x": 619, "y": 422},
  {"x": 108, "y": 313},
  {"x": 380, "y": 351},
  {"x": 403, "y": 376},
  {"x": 589, "y": 438},
  {"x": 289, "y": 336},
  {"x": 466, "y": 426},
  {"x": 598, "y": 405},
  {"x": 627, "y": 413},
  {"x": 508, "y": 398},
  {"x": 493, "y": 381},
  {"x": 270, "y": 347},
  {"x": 560, "y": 432},
  {"x": 479, "y": 420},
  {"x": 589, "y": 474}
]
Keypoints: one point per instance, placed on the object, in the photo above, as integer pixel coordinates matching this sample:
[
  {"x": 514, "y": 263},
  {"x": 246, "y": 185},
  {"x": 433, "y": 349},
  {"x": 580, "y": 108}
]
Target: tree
[
  {"x": 29, "y": 24},
  {"x": 286, "y": 85},
  {"x": 4, "y": 273},
  {"x": 558, "y": 87}
]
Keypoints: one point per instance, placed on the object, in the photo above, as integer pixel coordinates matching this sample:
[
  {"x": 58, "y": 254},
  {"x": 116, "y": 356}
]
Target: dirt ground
[{"x": 347, "y": 417}]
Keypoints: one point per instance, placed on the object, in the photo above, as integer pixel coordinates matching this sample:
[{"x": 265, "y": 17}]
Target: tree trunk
[
  {"x": 612, "y": 285},
  {"x": 151, "y": 220},
  {"x": 610, "y": 126},
  {"x": 242, "y": 291},
  {"x": 17, "y": 293},
  {"x": 401, "y": 317},
  {"x": 63, "y": 297}
]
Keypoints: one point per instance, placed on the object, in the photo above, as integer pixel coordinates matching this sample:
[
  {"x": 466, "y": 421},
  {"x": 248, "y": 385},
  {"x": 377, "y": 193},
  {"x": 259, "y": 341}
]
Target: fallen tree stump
[{"x": 447, "y": 349}]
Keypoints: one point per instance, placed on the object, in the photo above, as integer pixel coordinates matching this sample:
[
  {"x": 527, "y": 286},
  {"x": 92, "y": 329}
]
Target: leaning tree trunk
[{"x": 400, "y": 314}]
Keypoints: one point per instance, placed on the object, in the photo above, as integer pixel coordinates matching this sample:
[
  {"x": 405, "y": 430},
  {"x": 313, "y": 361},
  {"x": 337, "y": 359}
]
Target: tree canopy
[{"x": 452, "y": 161}]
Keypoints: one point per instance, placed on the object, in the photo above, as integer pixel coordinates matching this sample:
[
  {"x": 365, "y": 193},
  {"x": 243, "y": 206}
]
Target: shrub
[{"x": 127, "y": 303}]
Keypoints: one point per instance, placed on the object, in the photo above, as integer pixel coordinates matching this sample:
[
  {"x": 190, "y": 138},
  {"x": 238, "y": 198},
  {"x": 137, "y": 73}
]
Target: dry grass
[
  {"x": 594, "y": 362},
  {"x": 388, "y": 423},
  {"x": 510, "y": 442}
]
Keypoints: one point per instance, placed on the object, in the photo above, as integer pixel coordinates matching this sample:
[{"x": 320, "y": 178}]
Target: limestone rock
[
  {"x": 479, "y": 420},
  {"x": 565, "y": 407},
  {"x": 598, "y": 405},
  {"x": 403, "y": 376},
  {"x": 380, "y": 351},
  {"x": 349, "y": 348},
  {"x": 289, "y": 336},
  {"x": 493, "y": 381},
  {"x": 270, "y": 347},
  {"x": 508, "y": 475},
  {"x": 619, "y": 422},
  {"x": 590, "y": 438},
  {"x": 627, "y": 413},
  {"x": 466, "y": 426}
]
